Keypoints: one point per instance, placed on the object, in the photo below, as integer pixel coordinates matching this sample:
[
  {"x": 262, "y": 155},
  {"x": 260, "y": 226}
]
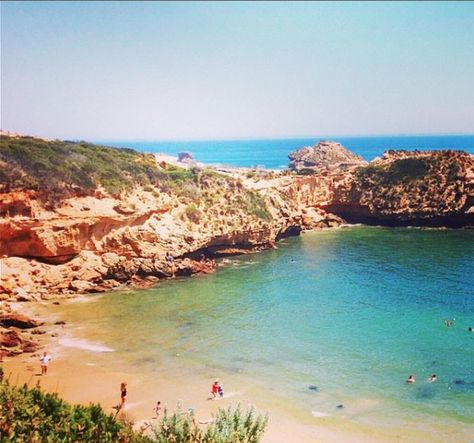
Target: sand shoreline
[{"x": 84, "y": 371}]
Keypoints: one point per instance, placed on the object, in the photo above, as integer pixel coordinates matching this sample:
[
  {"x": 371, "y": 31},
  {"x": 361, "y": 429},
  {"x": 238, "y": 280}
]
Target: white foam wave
[
  {"x": 319, "y": 414},
  {"x": 83, "y": 344}
]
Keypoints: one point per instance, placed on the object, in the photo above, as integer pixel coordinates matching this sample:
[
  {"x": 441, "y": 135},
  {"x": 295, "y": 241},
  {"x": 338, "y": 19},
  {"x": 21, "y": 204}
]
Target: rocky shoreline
[{"x": 90, "y": 239}]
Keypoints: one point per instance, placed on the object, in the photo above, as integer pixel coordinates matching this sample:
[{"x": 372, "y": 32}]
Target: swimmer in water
[
  {"x": 410, "y": 379},
  {"x": 432, "y": 379}
]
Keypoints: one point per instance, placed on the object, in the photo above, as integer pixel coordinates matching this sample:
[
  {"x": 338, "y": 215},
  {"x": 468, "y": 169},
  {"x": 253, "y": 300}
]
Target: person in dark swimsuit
[{"x": 123, "y": 393}]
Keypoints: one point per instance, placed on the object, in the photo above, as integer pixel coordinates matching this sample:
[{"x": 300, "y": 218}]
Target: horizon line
[{"x": 299, "y": 137}]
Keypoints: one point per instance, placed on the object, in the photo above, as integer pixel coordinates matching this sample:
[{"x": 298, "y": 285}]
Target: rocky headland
[
  {"x": 79, "y": 218},
  {"x": 324, "y": 157},
  {"x": 409, "y": 188}
]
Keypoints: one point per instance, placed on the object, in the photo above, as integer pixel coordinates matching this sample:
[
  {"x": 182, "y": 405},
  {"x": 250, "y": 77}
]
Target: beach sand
[{"x": 84, "y": 372}]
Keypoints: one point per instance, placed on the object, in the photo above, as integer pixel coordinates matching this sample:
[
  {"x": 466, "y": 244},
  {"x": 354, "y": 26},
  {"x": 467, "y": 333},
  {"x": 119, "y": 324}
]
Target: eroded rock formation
[
  {"x": 96, "y": 240},
  {"x": 434, "y": 188},
  {"x": 325, "y": 156}
]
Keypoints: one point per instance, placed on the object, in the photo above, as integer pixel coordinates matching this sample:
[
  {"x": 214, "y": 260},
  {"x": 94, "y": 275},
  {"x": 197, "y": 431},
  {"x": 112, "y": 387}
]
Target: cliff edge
[
  {"x": 77, "y": 217},
  {"x": 410, "y": 188}
]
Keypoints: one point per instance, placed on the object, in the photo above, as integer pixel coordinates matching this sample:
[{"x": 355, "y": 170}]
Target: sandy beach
[{"x": 82, "y": 371}]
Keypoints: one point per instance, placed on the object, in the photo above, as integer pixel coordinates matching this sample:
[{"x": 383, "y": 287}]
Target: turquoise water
[
  {"x": 273, "y": 153},
  {"x": 352, "y": 311}
]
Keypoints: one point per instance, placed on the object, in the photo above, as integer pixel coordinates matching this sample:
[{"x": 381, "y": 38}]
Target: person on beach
[
  {"x": 170, "y": 260},
  {"x": 157, "y": 409},
  {"x": 44, "y": 361},
  {"x": 216, "y": 389},
  {"x": 410, "y": 379},
  {"x": 123, "y": 394},
  {"x": 432, "y": 379}
]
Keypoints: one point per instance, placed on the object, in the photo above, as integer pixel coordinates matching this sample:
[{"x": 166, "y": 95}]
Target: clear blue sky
[{"x": 154, "y": 71}]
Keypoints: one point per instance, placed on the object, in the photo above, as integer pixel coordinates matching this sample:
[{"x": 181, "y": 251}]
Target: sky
[{"x": 230, "y": 70}]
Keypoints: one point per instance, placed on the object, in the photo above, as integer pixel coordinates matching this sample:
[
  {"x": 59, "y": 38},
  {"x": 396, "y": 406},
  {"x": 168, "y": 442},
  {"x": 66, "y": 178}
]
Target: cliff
[
  {"x": 83, "y": 218},
  {"x": 78, "y": 218},
  {"x": 431, "y": 188}
]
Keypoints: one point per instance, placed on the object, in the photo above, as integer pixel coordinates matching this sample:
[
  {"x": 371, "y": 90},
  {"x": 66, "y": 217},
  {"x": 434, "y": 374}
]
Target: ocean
[
  {"x": 273, "y": 153},
  {"x": 335, "y": 317}
]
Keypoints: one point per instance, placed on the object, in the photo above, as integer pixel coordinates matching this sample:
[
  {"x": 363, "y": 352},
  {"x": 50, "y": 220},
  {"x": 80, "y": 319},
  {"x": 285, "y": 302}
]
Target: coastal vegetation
[
  {"x": 49, "y": 166},
  {"x": 227, "y": 426},
  {"x": 57, "y": 170},
  {"x": 399, "y": 171},
  {"x": 30, "y": 415}
]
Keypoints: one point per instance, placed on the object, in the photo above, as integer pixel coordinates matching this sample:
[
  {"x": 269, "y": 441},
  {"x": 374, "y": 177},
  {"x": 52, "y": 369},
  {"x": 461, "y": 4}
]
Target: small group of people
[
  {"x": 217, "y": 391},
  {"x": 431, "y": 379},
  {"x": 449, "y": 323}
]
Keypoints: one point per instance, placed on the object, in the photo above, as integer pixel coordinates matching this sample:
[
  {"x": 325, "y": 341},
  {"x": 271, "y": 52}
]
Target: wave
[{"x": 83, "y": 344}]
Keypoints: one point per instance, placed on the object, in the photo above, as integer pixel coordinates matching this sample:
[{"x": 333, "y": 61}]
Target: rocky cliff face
[
  {"x": 325, "y": 156},
  {"x": 434, "y": 188},
  {"x": 99, "y": 239}
]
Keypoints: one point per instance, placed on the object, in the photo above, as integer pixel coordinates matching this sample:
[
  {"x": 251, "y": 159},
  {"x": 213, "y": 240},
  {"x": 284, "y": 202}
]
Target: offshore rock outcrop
[{"x": 325, "y": 156}]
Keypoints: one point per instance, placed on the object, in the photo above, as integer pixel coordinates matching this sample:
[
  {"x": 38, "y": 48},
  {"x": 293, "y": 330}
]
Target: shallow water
[{"x": 350, "y": 312}]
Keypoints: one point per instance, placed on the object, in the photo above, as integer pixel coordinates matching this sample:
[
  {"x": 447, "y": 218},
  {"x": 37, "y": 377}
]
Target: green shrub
[
  {"x": 399, "y": 171},
  {"x": 235, "y": 426},
  {"x": 255, "y": 204},
  {"x": 407, "y": 169},
  {"x": 33, "y": 415},
  {"x": 193, "y": 213},
  {"x": 227, "y": 426},
  {"x": 59, "y": 167},
  {"x": 307, "y": 171}
]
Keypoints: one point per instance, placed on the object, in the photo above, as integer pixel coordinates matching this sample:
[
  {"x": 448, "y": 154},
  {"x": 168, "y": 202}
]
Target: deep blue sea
[{"x": 273, "y": 153}]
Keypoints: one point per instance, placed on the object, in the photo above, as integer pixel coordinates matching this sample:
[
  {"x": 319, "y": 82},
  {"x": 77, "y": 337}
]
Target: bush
[
  {"x": 236, "y": 426},
  {"x": 193, "y": 213},
  {"x": 60, "y": 167},
  {"x": 227, "y": 426},
  {"x": 399, "y": 171},
  {"x": 31, "y": 415},
  {"x": 307, "y": 171},
  {"x": 255, "y": 204},
  {"x": 407, "y": 169}
]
